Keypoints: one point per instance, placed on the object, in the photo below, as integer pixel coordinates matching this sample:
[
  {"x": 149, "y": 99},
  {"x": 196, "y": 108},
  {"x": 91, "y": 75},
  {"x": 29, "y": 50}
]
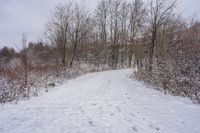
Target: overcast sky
[{"x": 29, "y": 16}]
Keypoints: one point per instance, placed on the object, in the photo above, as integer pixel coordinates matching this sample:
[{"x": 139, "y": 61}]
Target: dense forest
[{"x": 161, "y": 46}]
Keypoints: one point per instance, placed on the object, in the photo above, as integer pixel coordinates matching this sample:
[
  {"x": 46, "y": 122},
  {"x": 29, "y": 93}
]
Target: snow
[{"x": 104, "y": 102}]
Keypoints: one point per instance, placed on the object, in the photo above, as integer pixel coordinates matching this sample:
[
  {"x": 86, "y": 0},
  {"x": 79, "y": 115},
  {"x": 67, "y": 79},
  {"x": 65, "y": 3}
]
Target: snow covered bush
[{"x": 40, "y": 78}]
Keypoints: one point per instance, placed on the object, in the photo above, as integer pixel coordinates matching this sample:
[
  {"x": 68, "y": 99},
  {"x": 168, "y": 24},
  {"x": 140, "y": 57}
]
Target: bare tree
[
  {"x": 57, "y": 28},
  {"x": 25, "y": 70},
  {"x": 79, "y": 26},
  {"x": 101, "y": 19},
  {"x": 124, "y": 32},
  {"x": 136, "y": 18},
  {"x": 158, "y": 12},
  {"x": 114, "y": 31}
]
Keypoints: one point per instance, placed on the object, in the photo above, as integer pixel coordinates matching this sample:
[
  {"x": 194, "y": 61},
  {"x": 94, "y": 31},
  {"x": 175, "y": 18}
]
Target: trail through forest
[{"x": 104, "y": 102}]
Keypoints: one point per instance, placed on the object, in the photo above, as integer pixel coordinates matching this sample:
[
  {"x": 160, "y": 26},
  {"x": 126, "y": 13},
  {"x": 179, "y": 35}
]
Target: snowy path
[{"x": 105, "y": 102}]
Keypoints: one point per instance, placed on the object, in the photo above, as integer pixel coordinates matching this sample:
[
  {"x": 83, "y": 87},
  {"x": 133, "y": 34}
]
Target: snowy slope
[{"x": 105, "y": 102}]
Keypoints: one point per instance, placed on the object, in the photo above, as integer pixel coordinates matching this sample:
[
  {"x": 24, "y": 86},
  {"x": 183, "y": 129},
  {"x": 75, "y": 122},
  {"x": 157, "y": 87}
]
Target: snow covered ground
[{"x": 105, "y": 102}]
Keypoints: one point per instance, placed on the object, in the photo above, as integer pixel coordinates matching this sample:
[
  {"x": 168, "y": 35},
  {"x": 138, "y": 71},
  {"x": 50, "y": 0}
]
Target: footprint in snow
[
  {"x": 118, "y": 109},
  {"x": 155, "y": 127},
  {"x": 94, "y": 104},
  {"x": 81, "y": 110},
  {"x": 132, "y": 114},
  {"x": 183, "y": 122},
  {"x": 134, "y": 129},
  {"x": 111, "y": 114},
  {"x": 91, "y": 123}
]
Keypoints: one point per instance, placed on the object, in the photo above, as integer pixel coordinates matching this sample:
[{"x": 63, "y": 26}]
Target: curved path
[{"x": 104, "y": 102}]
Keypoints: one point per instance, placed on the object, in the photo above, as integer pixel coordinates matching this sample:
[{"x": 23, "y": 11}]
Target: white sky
[{"x": 29, "y": 16}]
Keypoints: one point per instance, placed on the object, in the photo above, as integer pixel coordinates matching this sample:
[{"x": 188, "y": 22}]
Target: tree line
[{"x": 150, "y": 36}]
